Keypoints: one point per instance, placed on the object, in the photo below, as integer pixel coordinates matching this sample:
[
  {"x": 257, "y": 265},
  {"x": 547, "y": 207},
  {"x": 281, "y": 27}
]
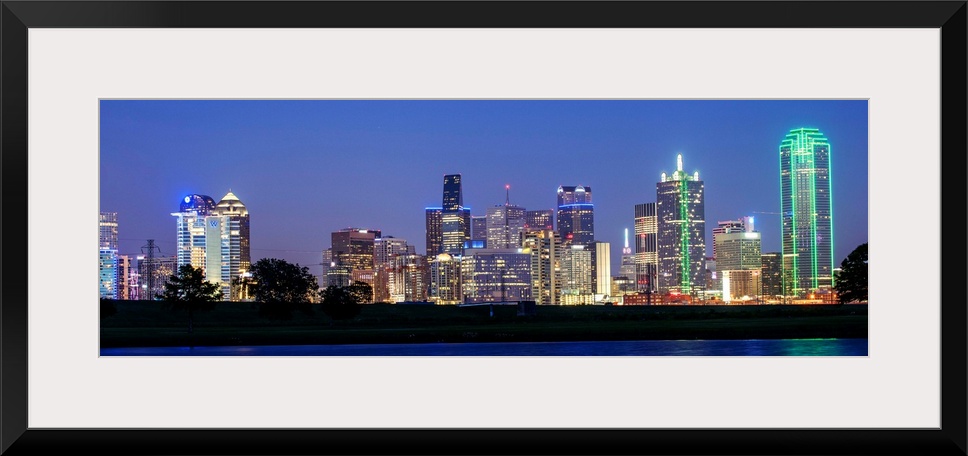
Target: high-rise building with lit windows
[
  {"x": 577, "y": 275},
  {"x": 435, "y": 236},
  {"x": 681, "y": 247},
  {"x": 806, "y": 212},
  {"x": 479, "y": 228},
  {"x": 214, "y": 237},
  {"x": 646, "y": 248},
  {"x": 505, "y": 223},
  {"x": 455, "y": 219},
  {"x": 445, "y": 279},
  {"x": 739, "y": 261},
  {"x": 455, "y": 228},
  {"x": 496, "y": 275},
  {"x": 539, "y": 220},
  {"x": 231, "y": 257},
  {"x": 576, "y": 214},
  {"x": 772, "y": 278},
  {"x": 545, "y": 249},
  {"x": 627, "y": 268},
  {"x": 110, "y": 282},
  {"x": 190, "y": 225}
]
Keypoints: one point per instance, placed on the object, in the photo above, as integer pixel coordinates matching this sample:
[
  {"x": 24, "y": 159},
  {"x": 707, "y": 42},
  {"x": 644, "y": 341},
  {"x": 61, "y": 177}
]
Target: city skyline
[{"x": 309, "y": 168}]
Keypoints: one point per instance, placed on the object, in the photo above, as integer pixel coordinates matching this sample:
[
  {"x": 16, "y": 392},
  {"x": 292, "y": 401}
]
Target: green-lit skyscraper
[
  {"x": 805, "y": 205},
  {"x": 681, "y": 216}
]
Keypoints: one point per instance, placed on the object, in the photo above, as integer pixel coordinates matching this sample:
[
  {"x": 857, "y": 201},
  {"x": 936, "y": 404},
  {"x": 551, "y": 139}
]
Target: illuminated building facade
[
  {"x": 479, "y": 228},
  {"x": 496, "y": 275},
  {"x": 435, "y": 235},
  {"x": 154, "y": 274},
  {"x": 772, "y": 278},
  {"x": 539, "y": 220},
  {"x": 227, "y": 244},
  {"x": 445, "y": 279},
  {"x": 576, "y": 215},
  {"x": 385, "y": 251},
  {"x": 646, "y": 247},
  {"x": 505, "y": 223},
  {"x": 455, "y": 227},
  {"x": 190, "y": 224},
  {"x": 110, "y": 280},
  {"x": 739, "y": 260},
  {"x": 806, "y": 211},
  {"x": 353, "y": 252},
  {"x": 545, "y": 249},
  {"x": 409, "y": 280},
  {"x": 108, "y": 273},
  {"x": 601, "y": 268},
  {"x": 577, "y": 278},
  {"x": 681, "y": 244},
  {"x": 455, "y": 219},
  {"x": 627, "y": 269},
  {"x": 734, "y": 225}
]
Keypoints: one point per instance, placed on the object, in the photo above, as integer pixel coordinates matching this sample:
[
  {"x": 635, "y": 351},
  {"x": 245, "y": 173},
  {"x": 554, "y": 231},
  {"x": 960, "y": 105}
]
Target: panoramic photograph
[{"x": 483, "y": 227}]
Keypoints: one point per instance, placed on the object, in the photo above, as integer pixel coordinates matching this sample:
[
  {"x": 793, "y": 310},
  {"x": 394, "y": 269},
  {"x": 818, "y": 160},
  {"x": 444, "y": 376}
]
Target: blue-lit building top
[
  {"x": 576, "y": 215},
  {"x": 199, "y": 204}
]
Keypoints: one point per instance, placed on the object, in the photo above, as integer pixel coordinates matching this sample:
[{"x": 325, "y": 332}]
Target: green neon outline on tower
[{"x": 806, "y": 220}]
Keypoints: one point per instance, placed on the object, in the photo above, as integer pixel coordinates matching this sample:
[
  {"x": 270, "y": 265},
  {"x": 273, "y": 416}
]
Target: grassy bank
[{"x": 146, "y": 323}]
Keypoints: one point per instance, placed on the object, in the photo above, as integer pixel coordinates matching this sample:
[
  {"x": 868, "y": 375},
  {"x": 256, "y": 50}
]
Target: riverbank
[{"x": 148, "y": 324}]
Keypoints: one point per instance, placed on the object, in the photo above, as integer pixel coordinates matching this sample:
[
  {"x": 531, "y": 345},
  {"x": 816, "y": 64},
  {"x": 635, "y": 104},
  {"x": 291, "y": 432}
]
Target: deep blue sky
[{"x": 307, "y": 168}]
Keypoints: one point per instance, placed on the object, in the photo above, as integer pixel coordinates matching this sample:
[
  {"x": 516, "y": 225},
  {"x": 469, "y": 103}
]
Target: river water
[{"x": 750, "y": 347}]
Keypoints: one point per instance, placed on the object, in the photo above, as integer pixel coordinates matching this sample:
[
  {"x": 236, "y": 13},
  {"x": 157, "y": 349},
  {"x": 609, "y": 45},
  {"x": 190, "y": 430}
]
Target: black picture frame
[{"x": 18, "y": 16}]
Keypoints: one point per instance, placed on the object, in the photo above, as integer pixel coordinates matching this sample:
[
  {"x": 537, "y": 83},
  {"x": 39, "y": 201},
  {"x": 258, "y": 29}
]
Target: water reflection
[{"x": 754, "y": 347}]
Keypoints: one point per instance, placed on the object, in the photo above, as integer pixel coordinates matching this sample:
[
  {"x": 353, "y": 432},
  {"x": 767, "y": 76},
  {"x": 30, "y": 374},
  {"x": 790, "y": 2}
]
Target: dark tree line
[
  {"x": 281, "y": 289},
  {"x": 851, "y": 281}
]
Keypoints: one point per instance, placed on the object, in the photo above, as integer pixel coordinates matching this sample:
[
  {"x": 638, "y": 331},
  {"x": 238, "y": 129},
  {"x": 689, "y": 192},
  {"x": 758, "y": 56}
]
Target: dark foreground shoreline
[{"x": 147, "y": 324}]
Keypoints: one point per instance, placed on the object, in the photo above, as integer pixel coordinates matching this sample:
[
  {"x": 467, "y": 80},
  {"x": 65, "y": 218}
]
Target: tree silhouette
[
  {"x": 188, "y": 290},
  {"x": 342, "y": 303},
  {"x": 281, "y": 288},
  {"x": 851, "y": 281}
]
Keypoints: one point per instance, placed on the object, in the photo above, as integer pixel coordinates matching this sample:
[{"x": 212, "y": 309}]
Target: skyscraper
[
  {"x": 739, "y": 261},
  {"x": 539, "y": 220},
  {"x": 744, "y": 223},
  {"x": 646, "y": 247},
  {"x": 455, "y": 228},
  {"x": 190, "y": 225},
  {"x": 627, "y": 268},
  {"x": 455, "y": 219},
  {"x": 577, "y": 277},
  {"x": 576, "y": 215},
  {"x": 109, "y": 277},
  {"x": 385, "y": 252},
  {"x": 680, "y": 210},
  {"x": 601, "y": 268},
  {"x": 545, "y": 249},
  {"x": 496, "y": 275},
  {"x": 435, "y": 236},
  {"x": 227, "y": 244},
  {"x": 479, "y": 228},
  {"x": 108, "y": 230},
  {"x": 806, "y": 211},
  {"x": 354, "y": 247},
  {"x": 445, "y": 279},
  {"x": 505, "y": 223},
  {"x": 772, "y": 275}
]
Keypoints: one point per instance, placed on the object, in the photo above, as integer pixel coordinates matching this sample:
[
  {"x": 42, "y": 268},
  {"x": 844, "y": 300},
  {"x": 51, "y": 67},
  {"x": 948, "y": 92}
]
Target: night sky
[{"x": 307, "y": 168}]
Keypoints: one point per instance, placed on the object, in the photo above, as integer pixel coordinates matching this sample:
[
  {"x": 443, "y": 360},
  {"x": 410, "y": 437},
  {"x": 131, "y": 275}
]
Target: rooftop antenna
[
  {"x": 507, "y": 194},
  {"x": 679, "y": 162}
]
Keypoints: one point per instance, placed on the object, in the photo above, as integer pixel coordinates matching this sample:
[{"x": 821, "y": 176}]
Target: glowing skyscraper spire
[{"x": 626, "y": 250}]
